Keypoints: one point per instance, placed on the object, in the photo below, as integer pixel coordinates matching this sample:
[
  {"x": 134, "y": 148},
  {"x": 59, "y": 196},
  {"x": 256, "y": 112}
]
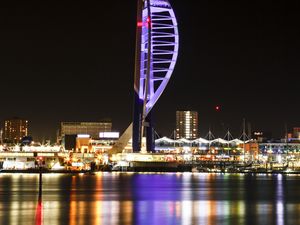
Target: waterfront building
[
  {"x": 15, "y": 129},
  {"x": 84, "y": 143},
  {"x": 296, "y": 133},
  {"x": 186, "y": 124},
  {"x": 1, "y": 136},
  {"x": 261, "y": 136},
  {"x": 69, "y": 142},
  {"x": 91, "y": 128}
]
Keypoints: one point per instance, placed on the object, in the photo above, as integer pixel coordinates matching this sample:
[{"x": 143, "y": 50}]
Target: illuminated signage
[
  {"x": 16, "y": 154},
  {"x": 83, "y": 135},
  {"x": 45, "y": 154},
  {"x": 77, "y": 164},
  {"x": 109, "y": 134}
]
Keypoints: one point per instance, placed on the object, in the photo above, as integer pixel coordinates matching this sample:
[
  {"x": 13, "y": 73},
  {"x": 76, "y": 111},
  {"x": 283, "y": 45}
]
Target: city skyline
[
  {"x": 75, "y": 62},
  {"x": 207, "y": 90}
]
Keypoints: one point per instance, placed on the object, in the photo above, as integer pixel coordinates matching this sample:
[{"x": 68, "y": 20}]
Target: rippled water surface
[{"x": 138, "y": 198}]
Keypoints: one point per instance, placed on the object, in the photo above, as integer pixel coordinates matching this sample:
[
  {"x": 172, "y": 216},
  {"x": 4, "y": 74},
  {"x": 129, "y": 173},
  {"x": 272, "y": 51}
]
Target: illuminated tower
[
  {"x": 156, "y": 54},
  {"x": 186, "y": 124},
  {"x": 157, "y": 44}
]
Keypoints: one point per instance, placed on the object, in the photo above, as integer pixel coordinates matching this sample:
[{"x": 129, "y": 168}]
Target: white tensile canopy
[{"x": 198, "y": 141}]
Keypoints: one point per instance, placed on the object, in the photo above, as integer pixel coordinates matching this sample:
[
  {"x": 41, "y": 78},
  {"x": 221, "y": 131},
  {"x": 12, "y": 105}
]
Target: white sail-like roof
[
  {"x": 165, "y": 139},
  {"x": 201, "y": 140},
  {"x": 219, "y": 140},
  {"x": 183, "y": 140},
  {"x": 236, "y": 141}
]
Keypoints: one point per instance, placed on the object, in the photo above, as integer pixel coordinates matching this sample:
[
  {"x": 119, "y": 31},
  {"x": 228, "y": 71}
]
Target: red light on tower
[
  {"x": 217, "y": 108},
  {"x": 148, "y": 22},
  {"x": 140, "y": 24}
]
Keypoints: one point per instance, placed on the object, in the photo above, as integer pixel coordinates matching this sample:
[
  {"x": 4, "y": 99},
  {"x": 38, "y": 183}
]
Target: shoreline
[
  {"x": 89, "y": 172},
  {"x": 44, "y": 171}
]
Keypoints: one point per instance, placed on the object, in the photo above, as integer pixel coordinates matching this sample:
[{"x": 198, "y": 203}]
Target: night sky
[{"x": 74, "y": 61}]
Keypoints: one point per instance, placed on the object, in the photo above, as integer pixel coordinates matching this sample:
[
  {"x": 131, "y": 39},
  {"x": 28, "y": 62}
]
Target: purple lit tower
[{"x": 156, "y": 54}]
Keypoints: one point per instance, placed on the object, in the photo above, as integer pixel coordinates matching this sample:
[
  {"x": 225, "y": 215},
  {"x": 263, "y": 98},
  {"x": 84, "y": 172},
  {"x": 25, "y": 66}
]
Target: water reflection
[
  {"x": 129, "y": 198},
  {"x": 39, "y": 212},
  {"x": 279, "y": 201}
]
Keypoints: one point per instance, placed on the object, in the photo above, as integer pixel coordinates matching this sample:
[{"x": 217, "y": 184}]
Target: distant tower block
[
  {"x": 156, "y": 55},
  {"x": 186, "y": 124},
  {"x": 15, "y": 129}
]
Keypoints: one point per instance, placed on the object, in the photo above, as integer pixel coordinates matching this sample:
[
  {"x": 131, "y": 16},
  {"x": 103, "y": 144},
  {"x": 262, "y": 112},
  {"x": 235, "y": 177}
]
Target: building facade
[
  {"x": 186, "y": 124},
  {"x": 296, "y": 133},
  {"x": 91, "y": 128},
  {"x": 15, "y": 129}
]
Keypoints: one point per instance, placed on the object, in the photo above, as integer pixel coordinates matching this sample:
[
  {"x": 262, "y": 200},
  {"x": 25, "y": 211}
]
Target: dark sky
[{"x": 74, "y": 61}]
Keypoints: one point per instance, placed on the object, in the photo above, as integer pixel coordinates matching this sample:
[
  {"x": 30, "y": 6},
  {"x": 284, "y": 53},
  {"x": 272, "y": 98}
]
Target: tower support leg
[
  {"x": 137, "y": 124},
  {"x": 149, "y": 133}
]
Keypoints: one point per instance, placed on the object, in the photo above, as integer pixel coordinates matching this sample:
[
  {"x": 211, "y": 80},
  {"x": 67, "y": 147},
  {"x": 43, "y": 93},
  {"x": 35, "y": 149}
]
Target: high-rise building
[
  {"x": 186, "y": 124},
  {"x": 91, "y": 128},
  {"x": 15, "y": 129}
]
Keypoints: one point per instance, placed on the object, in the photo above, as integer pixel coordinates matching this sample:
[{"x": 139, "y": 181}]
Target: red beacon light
[
  {"x": 147, "y": 23},
  {"x": 217, "y": 108},
  {"x": 140, "y": 24}
]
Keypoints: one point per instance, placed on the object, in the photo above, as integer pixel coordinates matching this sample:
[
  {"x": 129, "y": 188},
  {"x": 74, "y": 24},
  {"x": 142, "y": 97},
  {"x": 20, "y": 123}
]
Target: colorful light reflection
[{"x": 129, "y": 198}]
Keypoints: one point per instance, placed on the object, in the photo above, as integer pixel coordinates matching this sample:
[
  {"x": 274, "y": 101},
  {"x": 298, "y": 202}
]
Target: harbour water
[{"x": 150, "y": 198}]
